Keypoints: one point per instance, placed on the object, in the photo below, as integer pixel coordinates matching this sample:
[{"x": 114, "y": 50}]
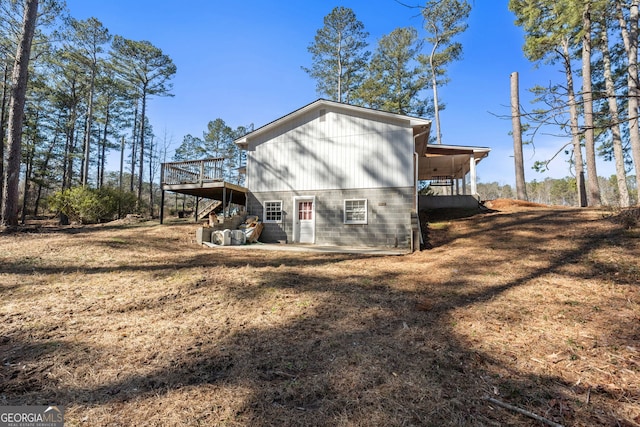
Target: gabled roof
[{"x": 412, "y": 121}]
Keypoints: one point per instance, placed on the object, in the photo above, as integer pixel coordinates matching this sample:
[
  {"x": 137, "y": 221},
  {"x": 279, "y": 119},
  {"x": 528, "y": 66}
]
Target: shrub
[
  {"x": 629, "y": 218},
  {"x": 87, "y": 205}
]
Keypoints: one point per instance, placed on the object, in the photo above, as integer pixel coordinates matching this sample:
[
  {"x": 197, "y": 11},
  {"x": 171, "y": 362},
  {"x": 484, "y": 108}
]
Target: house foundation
[{"x": 387, "y": 223}]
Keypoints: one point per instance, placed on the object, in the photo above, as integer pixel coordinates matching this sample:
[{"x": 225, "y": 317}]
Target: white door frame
[{"x": 296, "y": 223}]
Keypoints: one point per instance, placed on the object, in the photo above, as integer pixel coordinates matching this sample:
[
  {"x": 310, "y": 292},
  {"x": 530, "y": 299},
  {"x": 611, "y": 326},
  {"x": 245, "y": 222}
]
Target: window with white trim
[
  {"x": 273, "y": 211},
  {"x": 355, "y": 211}
]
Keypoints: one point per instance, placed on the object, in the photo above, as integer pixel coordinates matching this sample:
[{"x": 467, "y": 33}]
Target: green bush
[{"x": 87, "y": 205}]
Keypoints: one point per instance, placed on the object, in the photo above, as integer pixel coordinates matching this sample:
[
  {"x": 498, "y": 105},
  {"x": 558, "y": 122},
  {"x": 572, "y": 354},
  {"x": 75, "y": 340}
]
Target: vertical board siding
[{"x": 344, "y": 151}]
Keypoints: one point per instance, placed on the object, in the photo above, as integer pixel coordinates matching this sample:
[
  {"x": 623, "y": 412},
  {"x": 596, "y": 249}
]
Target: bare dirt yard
[{"x": 136, "y": 325}]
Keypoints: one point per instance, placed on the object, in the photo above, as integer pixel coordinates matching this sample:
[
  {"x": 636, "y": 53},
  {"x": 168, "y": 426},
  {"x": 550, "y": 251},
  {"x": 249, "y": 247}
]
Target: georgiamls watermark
[{"x": 31, "y": 416}]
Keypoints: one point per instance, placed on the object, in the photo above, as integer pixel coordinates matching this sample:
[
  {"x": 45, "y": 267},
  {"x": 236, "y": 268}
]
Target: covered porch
[
  {"x": 452, "y": 168},
  {"x": 202, "y": 179}
]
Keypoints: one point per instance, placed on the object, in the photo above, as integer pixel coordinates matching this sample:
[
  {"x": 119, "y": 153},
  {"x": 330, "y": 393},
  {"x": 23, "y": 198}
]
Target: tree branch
[{"x": 524, "y": 412}]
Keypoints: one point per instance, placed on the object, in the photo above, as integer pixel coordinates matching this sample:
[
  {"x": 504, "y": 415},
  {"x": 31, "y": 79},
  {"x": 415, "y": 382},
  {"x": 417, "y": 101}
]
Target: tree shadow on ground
[{"x": 364, "y": 353}]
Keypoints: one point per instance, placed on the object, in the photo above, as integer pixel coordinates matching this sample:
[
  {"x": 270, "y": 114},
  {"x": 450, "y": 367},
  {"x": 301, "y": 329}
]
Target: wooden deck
[{"x": 200, "y": 178}]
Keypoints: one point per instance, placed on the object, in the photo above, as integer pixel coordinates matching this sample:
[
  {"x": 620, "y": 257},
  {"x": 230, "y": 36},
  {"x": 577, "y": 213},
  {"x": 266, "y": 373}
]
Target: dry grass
[{"x": 133, "y": 325}]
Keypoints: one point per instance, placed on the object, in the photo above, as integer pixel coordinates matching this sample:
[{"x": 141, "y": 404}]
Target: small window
[
  {"x": 305, "y": 211},
  {"x": 273, "y": 211},
  {"x": 355, "y": 211}
]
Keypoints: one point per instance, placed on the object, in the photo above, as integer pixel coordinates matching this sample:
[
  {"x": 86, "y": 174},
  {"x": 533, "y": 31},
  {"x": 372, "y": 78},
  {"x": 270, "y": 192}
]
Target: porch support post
[
  {"x": 472, "y": 173},
  {"x": 197, "y": 206},
  {"x": 464, "y": 184}
]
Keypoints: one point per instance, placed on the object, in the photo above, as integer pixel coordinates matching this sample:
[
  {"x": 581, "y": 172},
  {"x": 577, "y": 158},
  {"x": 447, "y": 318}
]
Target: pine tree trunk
[
  {"x": 42, "y": 173},
  {"x": 521, "y": 188},
  {"x": 340, "y": 69},
  {"x": 72, "y": 149},
  {"x": 151, "y": 177},
  {"x": 103, "y": 149},
  {"x": 616, "y": 135},
  {"x": 19, "y": 80},
  {"x": 120, "y": 183},
  {"x": 630, "y": 39},
  {"x": 3, "y": 123},
  {"x": 593, "y": 198},
  {"x": 575, "y": 131},
  {"x": 65, "y": 159},
  {"x": 27, "y": 179},
  {"x": 634, "y": 93},
  {"x": 142, "y": 125},
  {"x": 120, "y": 176},
  {"x": 87, "y": 135},
  {"x": 134, "y": 146},
  {"x": 434, "y": 84}
]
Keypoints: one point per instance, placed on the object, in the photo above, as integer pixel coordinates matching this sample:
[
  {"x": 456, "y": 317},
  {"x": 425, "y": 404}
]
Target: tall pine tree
[
  {"x": 19, "y": 79},
  {"x": 443, "y": 21},
  {"x": 338, "y": 55},
  {"x": 148, "y": 70},
  {"x": 395, "y": 78}
]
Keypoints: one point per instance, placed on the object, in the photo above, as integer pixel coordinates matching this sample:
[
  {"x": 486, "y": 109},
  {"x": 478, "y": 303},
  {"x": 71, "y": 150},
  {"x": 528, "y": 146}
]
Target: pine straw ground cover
[{"x": 136, "y": 325}]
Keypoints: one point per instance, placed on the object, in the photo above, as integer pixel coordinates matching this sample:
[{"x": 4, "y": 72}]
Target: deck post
[
  {"x": 195, "y": 217},
  {"x": 161, "y": 206},
  {"x": 224, "y": 201}
]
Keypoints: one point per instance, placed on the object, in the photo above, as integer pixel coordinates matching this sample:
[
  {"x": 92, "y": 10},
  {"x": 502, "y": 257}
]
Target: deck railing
[{"x": 192, "y": 171}]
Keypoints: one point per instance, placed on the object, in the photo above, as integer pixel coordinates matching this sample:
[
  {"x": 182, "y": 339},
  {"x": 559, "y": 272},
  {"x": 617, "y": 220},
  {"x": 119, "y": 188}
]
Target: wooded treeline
[
  {"x": 594, "y": 44},
  {"x": 86, "y": 96},
  {"x": 555, "y": 191}
]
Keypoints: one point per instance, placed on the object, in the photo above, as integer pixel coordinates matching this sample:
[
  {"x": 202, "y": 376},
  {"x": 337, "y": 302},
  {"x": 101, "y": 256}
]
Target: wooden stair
[{"x": 208, "y": 207}]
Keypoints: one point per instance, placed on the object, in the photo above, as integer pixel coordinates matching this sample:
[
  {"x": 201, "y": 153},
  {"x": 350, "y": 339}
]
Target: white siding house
[
  {"x": 332, "y": 173},
  {"x": 336, "y": 174}
]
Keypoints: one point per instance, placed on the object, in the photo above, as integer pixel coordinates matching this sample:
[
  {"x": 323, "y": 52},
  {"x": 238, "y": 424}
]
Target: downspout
[
  {"x": 415, "y": 180},
  {"x": 415, "y": 191},
  {"x": 415, "y": 168}
]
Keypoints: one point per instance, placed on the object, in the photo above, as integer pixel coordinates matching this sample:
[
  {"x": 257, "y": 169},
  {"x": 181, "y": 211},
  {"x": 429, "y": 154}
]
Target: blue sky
[{"x": 241, "y": 62}]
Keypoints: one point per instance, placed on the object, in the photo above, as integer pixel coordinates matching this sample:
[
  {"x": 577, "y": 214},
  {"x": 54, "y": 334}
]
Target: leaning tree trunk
[
  {"x": 16, "y": 114},
  {"x": 434, "y": 84}
]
